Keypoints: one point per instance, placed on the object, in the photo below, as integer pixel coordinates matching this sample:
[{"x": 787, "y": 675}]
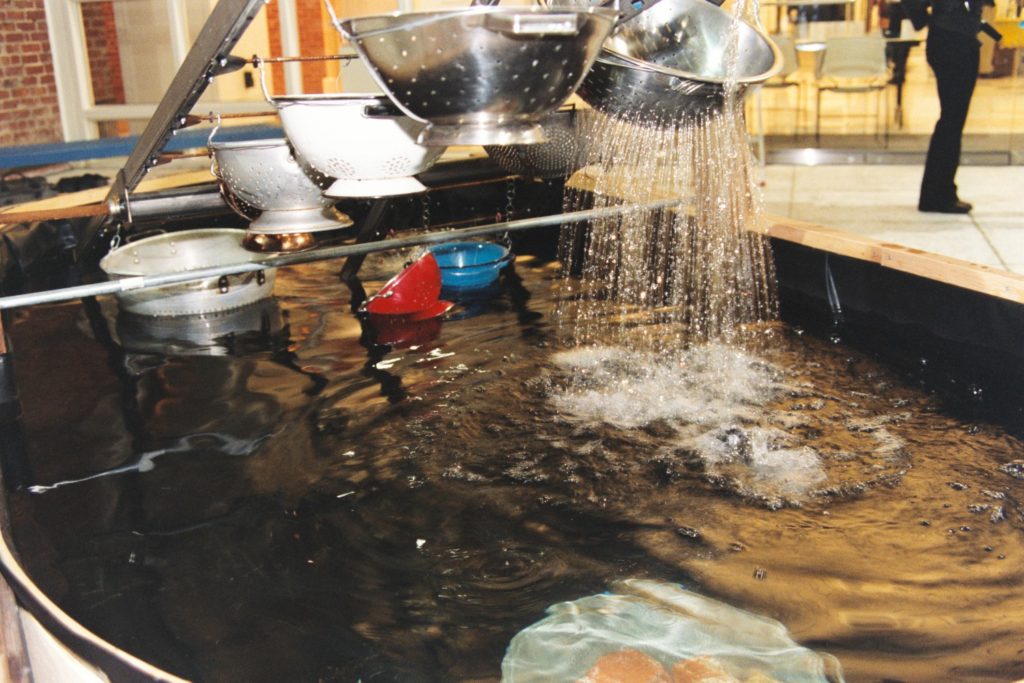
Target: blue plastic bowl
[{"x": 470, "y": 265}]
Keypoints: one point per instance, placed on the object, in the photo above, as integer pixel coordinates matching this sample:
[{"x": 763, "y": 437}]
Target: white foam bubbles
[
  {"x": 706, "y": 385},
  {"x": 715, "y": 401}
]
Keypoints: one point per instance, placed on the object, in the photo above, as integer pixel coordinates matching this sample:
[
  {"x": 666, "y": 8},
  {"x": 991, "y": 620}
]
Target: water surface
[{"x": 294, "y": 503}]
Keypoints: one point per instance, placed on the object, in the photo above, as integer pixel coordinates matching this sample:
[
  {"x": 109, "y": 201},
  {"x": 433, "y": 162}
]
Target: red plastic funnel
[{"x": 415, "y": 290}]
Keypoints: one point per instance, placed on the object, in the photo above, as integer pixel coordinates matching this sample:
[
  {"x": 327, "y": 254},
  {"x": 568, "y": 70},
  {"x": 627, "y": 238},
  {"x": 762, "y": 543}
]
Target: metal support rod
[
  {"x": 323, "y": 254},
  {"x": 304, "y": 58},
  {"x": 372, "y": 230}
]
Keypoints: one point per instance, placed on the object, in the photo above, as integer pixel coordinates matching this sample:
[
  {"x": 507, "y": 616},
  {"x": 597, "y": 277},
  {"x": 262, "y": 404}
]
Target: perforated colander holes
[
  {"x": 339, "y": 168},
  {"x": 319, "y": 179},
  {"x": 397, "y": 166}
]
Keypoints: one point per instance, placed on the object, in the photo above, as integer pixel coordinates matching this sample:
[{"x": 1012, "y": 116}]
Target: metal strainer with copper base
[{"x": 262, "y": 176}]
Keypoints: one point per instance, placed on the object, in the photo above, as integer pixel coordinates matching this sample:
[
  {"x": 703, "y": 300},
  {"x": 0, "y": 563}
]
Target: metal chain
[
  {"x": 115, "y": 241},
  {"x": 510, "y": 207},
  {"x": 510, "y": 198},
  {"x": 425, "y": 210}
]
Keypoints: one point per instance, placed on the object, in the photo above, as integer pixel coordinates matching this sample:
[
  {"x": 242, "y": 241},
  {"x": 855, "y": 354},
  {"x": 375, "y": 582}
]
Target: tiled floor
[{"x": 881, "y": 202}]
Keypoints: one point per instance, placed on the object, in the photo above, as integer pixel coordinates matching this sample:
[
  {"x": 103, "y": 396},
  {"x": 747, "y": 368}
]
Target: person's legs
[{"x": 954, "y": 59}]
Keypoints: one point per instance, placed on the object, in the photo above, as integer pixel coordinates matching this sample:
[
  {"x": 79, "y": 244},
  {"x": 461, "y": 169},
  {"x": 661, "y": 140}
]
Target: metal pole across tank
[{"x": 322, "y": 254}]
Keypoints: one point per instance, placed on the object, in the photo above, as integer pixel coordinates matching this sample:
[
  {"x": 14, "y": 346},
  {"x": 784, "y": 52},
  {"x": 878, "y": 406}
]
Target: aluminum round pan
[
  {"x": 180, "y": 252},
  {"x": 672, "y": 60},
  {"x": 481, "y": 75}
]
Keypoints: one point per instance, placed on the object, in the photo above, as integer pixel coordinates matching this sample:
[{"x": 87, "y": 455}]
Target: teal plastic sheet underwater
[{"x": 668, "y": 624}]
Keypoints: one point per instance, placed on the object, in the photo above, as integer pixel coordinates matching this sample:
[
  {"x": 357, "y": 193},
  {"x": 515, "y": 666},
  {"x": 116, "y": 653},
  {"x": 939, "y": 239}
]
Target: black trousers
[{"x": 954, "y": 58}]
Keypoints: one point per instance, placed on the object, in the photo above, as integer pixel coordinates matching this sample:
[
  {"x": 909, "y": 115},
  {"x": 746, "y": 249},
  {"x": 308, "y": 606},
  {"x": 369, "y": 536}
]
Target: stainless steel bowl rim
[
  {"x": 323, "y": 99},
  {"x": 111, "y": 263},
  {"x": 425, "y": 17},
  {"x": 626, "y": 61},
  {"x": 268, "y": 143}
]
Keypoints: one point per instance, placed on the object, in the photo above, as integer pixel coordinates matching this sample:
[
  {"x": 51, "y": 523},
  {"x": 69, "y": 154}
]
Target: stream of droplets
[
  {"x": 693, "y": 272},
  {"x": 660, "y": 307}
]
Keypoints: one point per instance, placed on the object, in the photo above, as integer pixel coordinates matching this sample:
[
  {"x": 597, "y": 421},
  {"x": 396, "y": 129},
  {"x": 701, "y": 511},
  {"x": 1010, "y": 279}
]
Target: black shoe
[{"x": 956, "y": 207}]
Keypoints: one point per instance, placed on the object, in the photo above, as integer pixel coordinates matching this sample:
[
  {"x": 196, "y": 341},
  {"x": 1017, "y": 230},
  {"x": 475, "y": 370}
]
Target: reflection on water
[{"x": 399, "y": 514}]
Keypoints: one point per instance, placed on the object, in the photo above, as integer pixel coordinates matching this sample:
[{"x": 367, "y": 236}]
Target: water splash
[
  {"x": 744, "y": 424},
  {"x": 711, "y": 384}
]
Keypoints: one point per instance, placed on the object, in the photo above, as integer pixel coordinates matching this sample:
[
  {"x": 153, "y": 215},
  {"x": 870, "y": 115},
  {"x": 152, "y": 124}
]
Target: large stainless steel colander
[
  {"x": 481, "y": 75},
  {"x": 559, "y": 157},
  {"x": 264, "y": 175},
  {"x": 673, "y": 59}
]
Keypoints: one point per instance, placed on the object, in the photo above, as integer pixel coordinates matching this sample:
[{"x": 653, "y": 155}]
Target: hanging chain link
[
  {"x": 115, "y": 241},
  {"x": 510, "y": 207},
  {"x": 425, "y": 210}
]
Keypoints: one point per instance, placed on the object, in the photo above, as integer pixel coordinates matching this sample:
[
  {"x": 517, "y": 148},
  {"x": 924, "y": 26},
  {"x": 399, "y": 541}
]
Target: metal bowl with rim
[
  {"x": 176, "y": 252},
  {"x": 673, "y": 60},
  {"x": 362, "y": 142},
  {"x": 470, "y": 265},
  {"x": 264, "y": 175},
  {"x": 481, "y": 75}
]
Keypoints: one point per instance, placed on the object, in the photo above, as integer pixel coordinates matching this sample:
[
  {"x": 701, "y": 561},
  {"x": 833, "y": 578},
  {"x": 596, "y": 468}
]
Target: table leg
[
  {"x": 372, "y": 230},
  {"x": 899, "y": 52}
]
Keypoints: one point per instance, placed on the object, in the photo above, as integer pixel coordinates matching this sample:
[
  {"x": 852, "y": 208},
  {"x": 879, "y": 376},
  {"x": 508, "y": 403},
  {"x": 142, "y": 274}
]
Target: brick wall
[
  {"x": 28, "y": 97},
  {"x": 274, "y": 32},
  {"x": 104, "y": 57},
  {"x": 312, "y": 18}
]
